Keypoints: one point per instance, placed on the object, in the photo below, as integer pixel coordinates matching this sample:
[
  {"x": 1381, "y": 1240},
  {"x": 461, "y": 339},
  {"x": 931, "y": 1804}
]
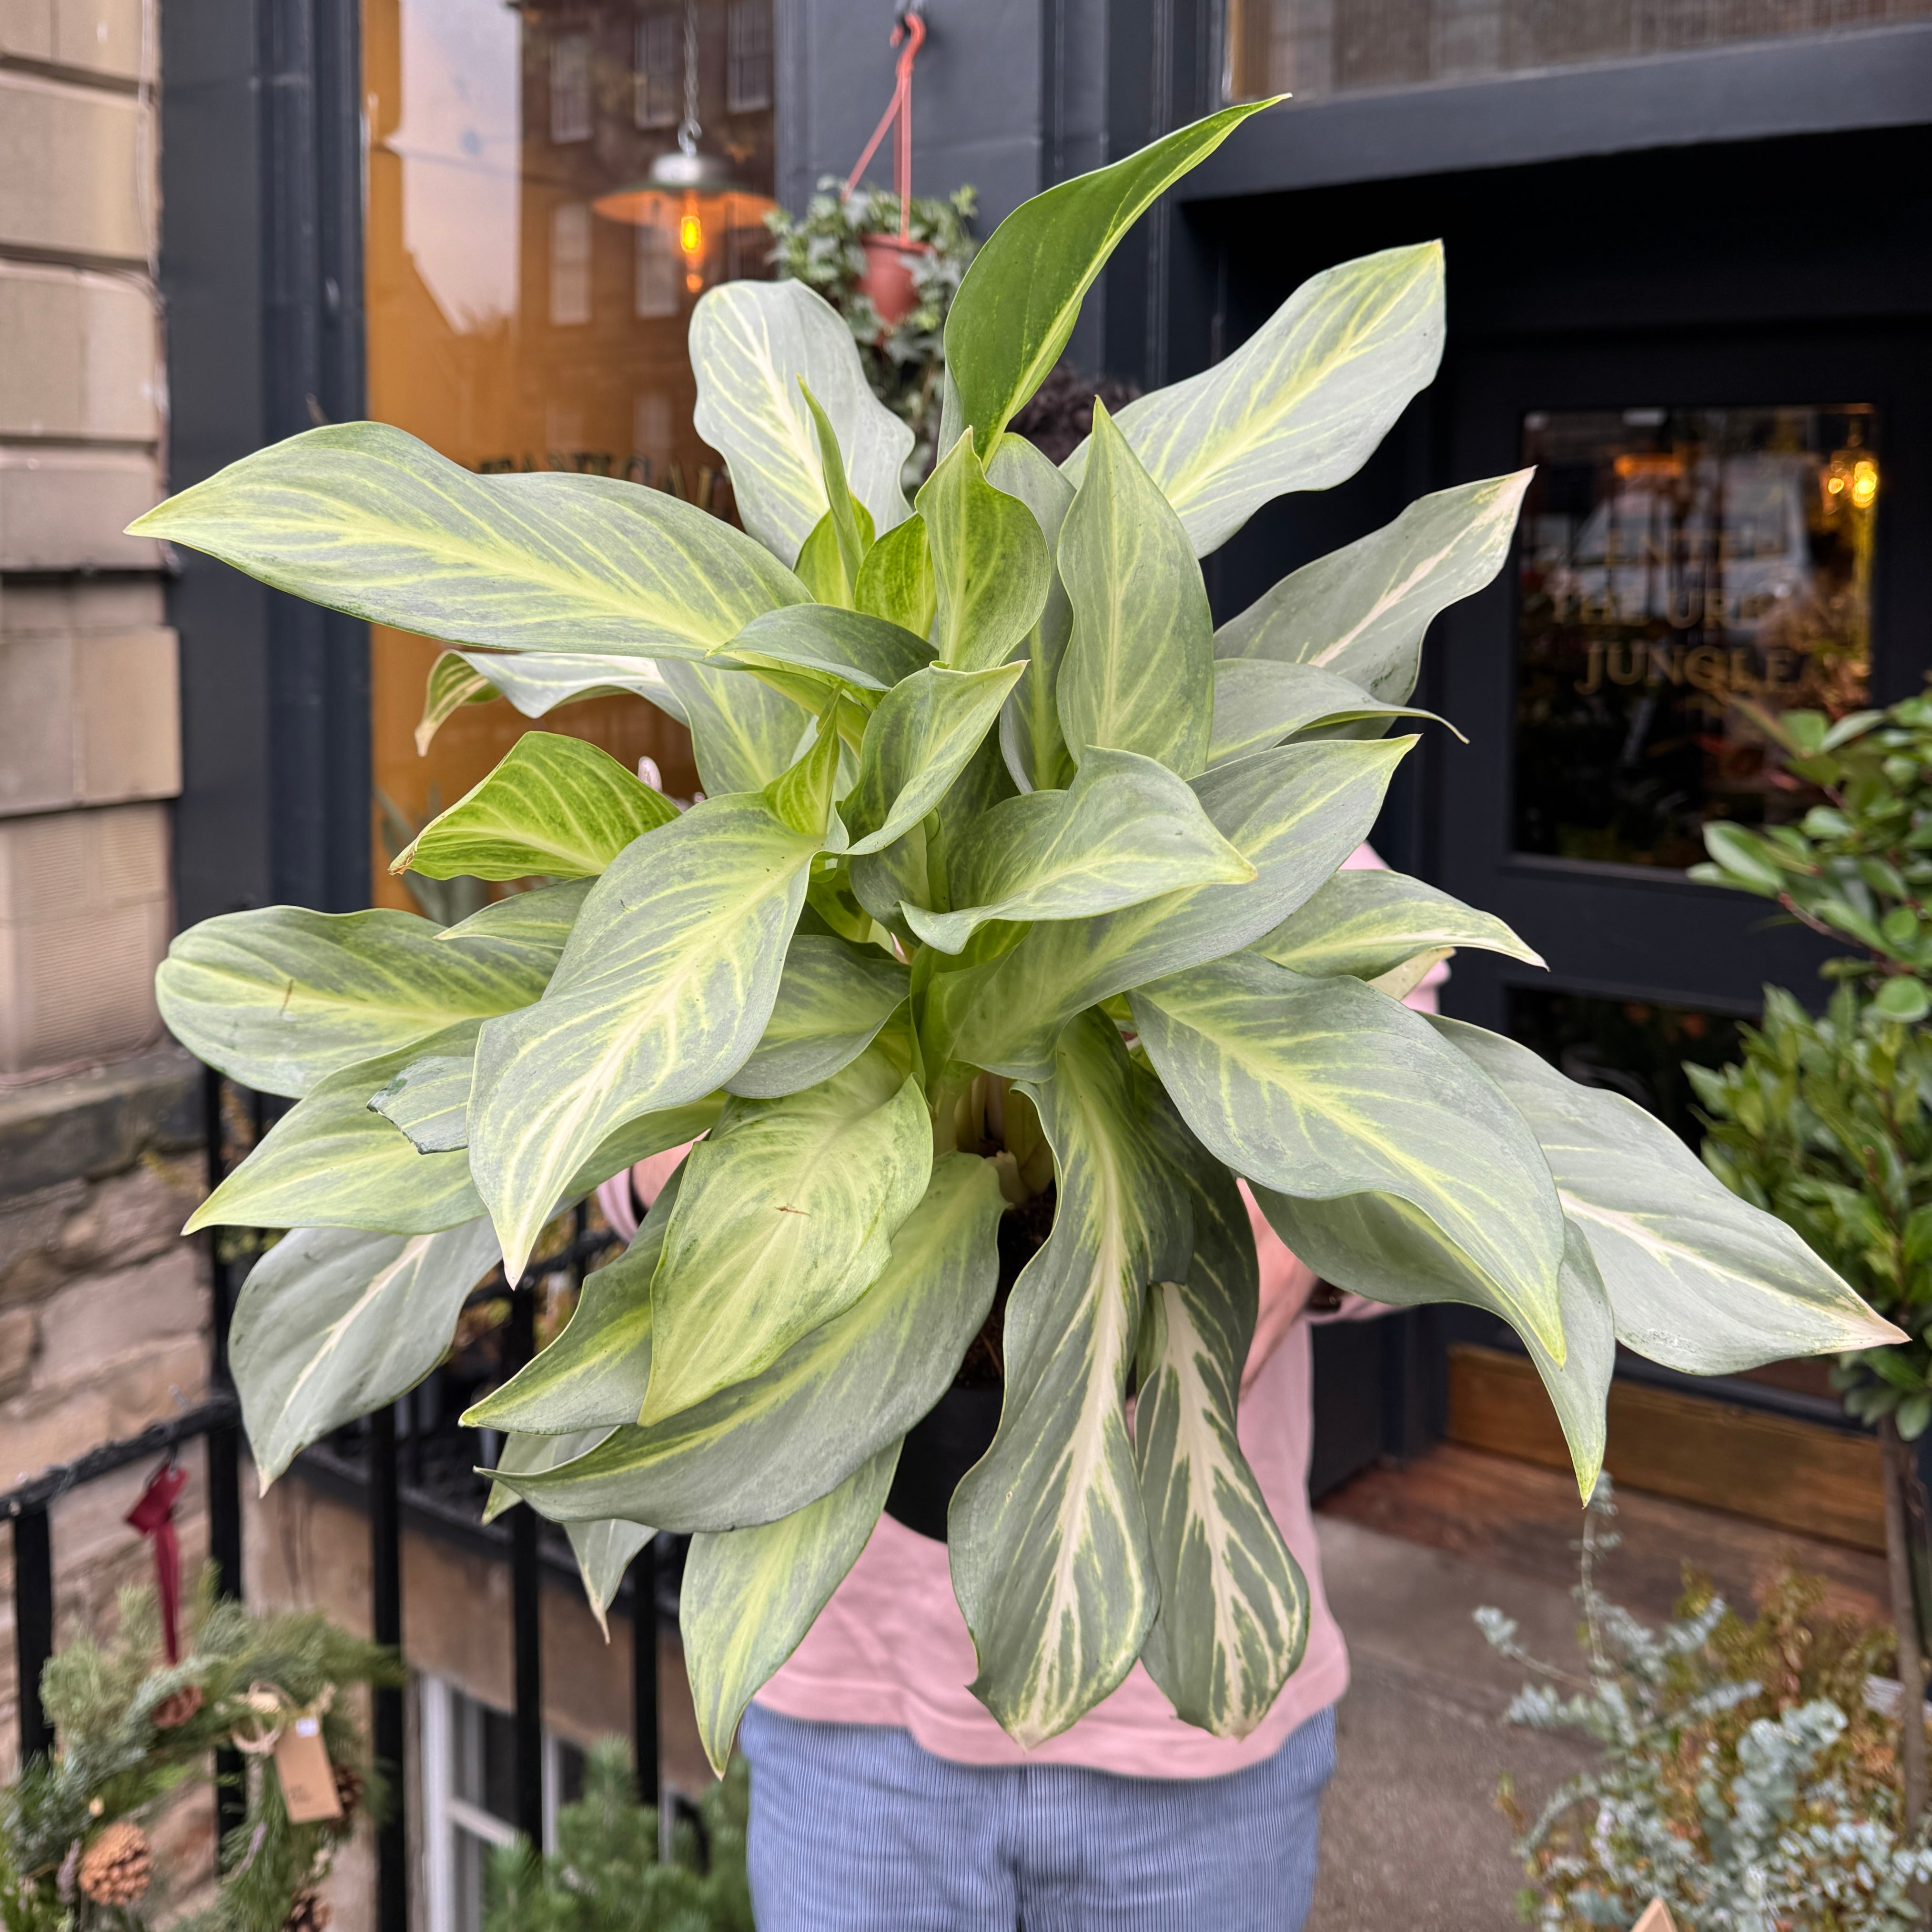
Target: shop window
[
  {"x": 529, "y": 290},
  {"x": 570, "y": 88},
  {"x": 469, "y": 1792},
  {"x": 749, "y": 44},
  {"x": 660, "y": 84},
  {"x": 569, "y": 264},
  {"x": 1682, "y": 573},
  {"x": 1312, "y": 48},
  {"x": 1635, "y": 1048}
]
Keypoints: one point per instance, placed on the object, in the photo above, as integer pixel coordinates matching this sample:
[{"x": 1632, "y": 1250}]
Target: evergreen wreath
[{"x": 132, "y": 1731}]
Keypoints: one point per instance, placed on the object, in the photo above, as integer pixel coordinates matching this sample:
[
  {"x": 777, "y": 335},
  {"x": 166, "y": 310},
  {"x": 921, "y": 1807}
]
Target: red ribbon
[{"x": 154, "y": 1516}]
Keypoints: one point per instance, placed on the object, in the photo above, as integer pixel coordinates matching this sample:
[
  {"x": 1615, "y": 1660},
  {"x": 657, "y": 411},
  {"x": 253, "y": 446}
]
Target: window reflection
[
  {"x": 552, "y": 186},
  {"x": 1312, "y": 48},
  {"x": 1680, "y": 572}
]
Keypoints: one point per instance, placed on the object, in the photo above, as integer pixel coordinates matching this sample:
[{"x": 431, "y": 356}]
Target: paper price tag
[{"x": 308, "y": 1780}]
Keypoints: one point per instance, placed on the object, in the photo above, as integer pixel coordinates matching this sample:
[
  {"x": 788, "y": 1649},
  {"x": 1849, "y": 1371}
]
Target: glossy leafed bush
[{"x": 1014, "y": 873}]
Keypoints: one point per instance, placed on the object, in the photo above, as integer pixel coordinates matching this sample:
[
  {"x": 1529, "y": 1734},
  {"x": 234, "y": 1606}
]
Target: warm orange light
[
  {"x": 1864, "y": 484},
  {"x": 690, "y": 235}
]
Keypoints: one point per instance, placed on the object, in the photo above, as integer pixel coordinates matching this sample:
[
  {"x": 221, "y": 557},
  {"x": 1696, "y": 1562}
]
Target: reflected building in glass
[{"x": 551, "y": 187}]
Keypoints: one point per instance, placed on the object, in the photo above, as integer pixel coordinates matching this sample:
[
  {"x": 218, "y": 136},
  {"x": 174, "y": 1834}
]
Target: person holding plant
[{"x": 887, "y": 1797}]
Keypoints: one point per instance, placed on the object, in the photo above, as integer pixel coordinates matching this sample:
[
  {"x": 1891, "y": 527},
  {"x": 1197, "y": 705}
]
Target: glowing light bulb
[
  {"x": 1864, "y": 484},
  {"x": 690, "y": 235}
]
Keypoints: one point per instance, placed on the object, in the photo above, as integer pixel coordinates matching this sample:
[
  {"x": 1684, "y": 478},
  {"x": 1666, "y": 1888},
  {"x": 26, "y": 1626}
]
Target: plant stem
[{"x": 1898, "y": 1459}]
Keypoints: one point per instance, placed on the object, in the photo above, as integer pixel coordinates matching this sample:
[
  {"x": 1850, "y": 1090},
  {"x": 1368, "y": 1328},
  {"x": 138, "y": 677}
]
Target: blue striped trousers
[{"x": 854, "y": 1827}]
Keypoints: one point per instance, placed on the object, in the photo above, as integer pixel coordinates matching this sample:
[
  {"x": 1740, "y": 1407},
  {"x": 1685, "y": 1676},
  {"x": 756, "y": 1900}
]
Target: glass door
[{"x": 551, "y": 187}]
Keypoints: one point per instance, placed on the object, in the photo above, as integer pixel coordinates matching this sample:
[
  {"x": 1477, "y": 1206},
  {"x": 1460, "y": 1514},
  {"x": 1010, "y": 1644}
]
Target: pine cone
[
  {"x": 349, "y": 1791},
  {"x": 310, "y": 1913},
  {"x": 115, "y": 1869},
  {"x": 172, "y": 1712}
]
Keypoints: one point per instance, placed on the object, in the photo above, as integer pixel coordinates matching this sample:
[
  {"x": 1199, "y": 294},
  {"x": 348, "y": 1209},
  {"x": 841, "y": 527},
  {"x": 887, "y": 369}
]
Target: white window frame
[{"x": 572, "y": 87}]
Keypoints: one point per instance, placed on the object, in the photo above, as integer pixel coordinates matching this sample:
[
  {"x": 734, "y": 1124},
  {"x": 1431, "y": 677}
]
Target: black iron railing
[{"x": 441, "y": 1492}]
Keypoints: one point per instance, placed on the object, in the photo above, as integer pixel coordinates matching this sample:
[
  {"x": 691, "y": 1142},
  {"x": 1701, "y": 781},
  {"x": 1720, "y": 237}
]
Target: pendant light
[{"x": 692, "y": 196}]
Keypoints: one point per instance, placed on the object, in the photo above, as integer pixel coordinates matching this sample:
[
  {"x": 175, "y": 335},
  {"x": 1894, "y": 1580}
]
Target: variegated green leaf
[
  {"x": 749, "y": 1595},
  {"x": 824, "y": 565},
  {"x": 1361, "y": 612},
  {"x": 520, "y": 1455},
  {"x": 919, "y": 741},
  {"x": 1050, "y": 1557},
  {"x": 743, "y": 732},
  {"x": 1016, "y": 307},
  {"x": 538, "y": 682},
  {"x": 1697, "y": 1279},
  {"x": 850, "y": 542},
  {"x": 1127, "y": 830},
  {"x": 281, "y": 998},
  {"x": 1384, "y": 1248},
  {"x": 363, "y": 518},
  {"x": 553, "y": 806},
  {"x": 603, "y": 1552},
  {"x": 451, "y": 684},
  {"x": 1321, "y": 1088},
  {"x": 990, "y": 567},
  {"x": 833, "y": 997},
  {"x": 764, "y": 1447},
  {"x": 661, "y": 994},
  {"x": 1234, "y": 1604},
  {"x": 1030, "y": 734},
  {"x": 333, "y": 1322},
  {"x": 785, "y": 1218},
  {"x": 868, "y": 652},
  {"x": 331, "y": 1163},
  {"x": 1259, "y": 703},
  {"x": 1368, "y": 922},
  {"x": 751, "y": 344},
  {"x": 1294, "y": 814},
  {"x": 1302, "y": 403},
  {"x": 532, "y": 926},
  {"x": 895, "y": 579},
  {"x": 1138, "y": 674}
]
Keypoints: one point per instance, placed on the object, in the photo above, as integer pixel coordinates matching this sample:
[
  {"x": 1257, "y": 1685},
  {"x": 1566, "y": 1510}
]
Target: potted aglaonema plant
[{"x": 1012, "y": 873}]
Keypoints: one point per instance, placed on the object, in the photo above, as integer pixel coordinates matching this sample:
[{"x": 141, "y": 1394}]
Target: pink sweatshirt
[{"x": 892, "y": 1647}]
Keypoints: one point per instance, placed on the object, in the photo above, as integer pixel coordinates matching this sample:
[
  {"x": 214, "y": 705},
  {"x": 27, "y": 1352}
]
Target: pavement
[{"x": 1412, "y": 1837}]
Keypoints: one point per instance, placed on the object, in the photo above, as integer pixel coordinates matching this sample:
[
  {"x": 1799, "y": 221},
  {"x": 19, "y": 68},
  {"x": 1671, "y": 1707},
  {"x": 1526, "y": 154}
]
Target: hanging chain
[{"x": 689, "y": 129}]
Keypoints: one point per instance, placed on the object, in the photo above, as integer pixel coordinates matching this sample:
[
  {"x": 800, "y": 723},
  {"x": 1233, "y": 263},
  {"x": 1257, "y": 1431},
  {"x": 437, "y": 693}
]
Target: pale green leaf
[
  {"x": 333, "y": 1322},
  {"x": 824, "y": 565},
  {"x": 1234, "y": 1604},
  {"x": 1030, "y": 734},
  {"x": 1369, "y": 922},
  {"x": 538, "y": 682},
  {"x": 743, "y": 732},
  {"x": 1302, "y": 403},
  {"x": 918, "y": 742},
  {"x": 767, "y": 1447},
  {"x": 1050, "y": 1557},
  {"x": 363, "y": 518},
  {"x": 785, "y": 1218},
  {"x": 1138, "y": 674},
  {"x": 1017, "y": 305},
  {"x": 280, "y": 998},
  {"x": 833, "y": 999},
  {"x": 801, "y": 797},
  {"x": 554, "y": 806},
  {"x": 1386, "y": 1249},
  {"x": 1127, "y": 830},
  {"x": 1321, "y": 1087},
  {"x": 1294, "y": 815},
  {"x": 868, "y": 652},
  {"x": 428, "y": 1102},
  {"x": 749, "y": 1595},
  {"x": 895, "y": 579},
  {"x": 1698, "y": 1279},
  {"x": 844, "y": 512},
  {"x": 603, "y": 1552},
  {"x": 751, "y": 343},
  {"x": 451, "y": 685},
  {"x": 990, "y": 567},
  {"x": 534, "y": 926},
  {"x": 1361, "y": 612},
  {"x": 1259, "y": 703},
  {"x": 661, "y": 994},
  {"x": 331, "y": 1163}
]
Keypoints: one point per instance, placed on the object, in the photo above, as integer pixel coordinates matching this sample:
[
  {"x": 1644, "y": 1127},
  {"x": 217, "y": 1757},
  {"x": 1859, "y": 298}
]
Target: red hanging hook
[{"x": 910, "y": 28}]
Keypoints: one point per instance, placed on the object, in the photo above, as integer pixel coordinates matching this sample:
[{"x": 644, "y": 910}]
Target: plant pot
[
  {"x": 938, "y": 1451},
  {"x": 888, "y": 281}
]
